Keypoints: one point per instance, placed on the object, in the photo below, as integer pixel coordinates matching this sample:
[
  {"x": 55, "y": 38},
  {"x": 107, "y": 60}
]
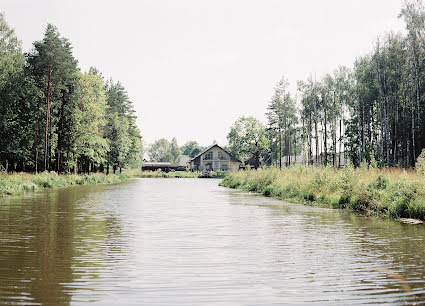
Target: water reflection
[
  {"x": 188, "y": 241},
  {"x": 49, "y": 242},
  {"x": 381, "y": 259}
]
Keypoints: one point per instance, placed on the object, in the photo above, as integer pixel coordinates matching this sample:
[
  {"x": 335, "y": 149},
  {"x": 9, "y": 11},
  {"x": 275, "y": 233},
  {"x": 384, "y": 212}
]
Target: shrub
[
  {"x": 19, "y": 183},
  {"x": 392, "y": 192},
  {"x": 420, "y": 163}
]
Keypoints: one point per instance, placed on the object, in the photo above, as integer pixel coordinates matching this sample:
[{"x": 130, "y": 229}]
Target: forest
[
  {"x": 372, "y": 113},
  {"x": 54, "y": 117}
]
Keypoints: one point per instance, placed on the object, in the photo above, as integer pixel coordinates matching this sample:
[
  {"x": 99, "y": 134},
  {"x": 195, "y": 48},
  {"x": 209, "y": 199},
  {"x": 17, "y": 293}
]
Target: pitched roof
[{"x": 210, "y": 147}]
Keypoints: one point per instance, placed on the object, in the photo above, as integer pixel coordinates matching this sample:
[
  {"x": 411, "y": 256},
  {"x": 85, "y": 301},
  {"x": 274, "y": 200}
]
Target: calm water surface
[{"x": 188, "y": 241}]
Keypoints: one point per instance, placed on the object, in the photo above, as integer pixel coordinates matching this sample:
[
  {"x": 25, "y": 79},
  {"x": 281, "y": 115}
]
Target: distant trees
[
  {"x": 164, "y": 151},
  {"x": 18, "y": 103},
  {"x": 53, "y": 117},
  {"x": 282, "y": 120},
  {"x": 191, "y": 148},
  {"x": 322, "y": 116},
  {"x": 372, "y": 113},
  {"x": 247, "y": 137},
  {"x": 87, "y": 116},
  {"x": 55, "y": 73},
  {"x": 123, "y": 136}
]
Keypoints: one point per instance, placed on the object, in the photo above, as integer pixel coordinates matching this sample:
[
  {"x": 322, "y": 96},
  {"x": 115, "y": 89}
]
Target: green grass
[
  {"x": 172, "y": 174},
  {"x": 19, "y": 183},
  {"x": 395, "y": 193}
]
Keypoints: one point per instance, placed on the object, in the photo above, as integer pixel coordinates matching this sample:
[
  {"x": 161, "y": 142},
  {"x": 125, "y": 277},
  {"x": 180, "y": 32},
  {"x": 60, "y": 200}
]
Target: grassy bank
[
  {"x": 18, "y": 183},
  {"x": 173, "y": 174},
  {"x": 395, "y": 193}
]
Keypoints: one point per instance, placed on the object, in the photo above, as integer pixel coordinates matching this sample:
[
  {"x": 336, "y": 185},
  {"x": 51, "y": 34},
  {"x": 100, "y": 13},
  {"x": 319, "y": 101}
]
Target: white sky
[{"x": 192, "y": 67}]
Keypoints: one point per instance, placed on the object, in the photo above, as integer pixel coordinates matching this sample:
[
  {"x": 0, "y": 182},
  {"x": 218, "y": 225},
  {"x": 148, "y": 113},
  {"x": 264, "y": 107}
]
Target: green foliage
[
  {"x": 88, "y": 120},
  {"x": 420, "y": 163},
  {"x": 174, "y": 151},
  {"x": 124, "y": 139},
  {"x": 398, "y": 198},
  {"x": 160, "y": 151},
  {"x": 18, "y": 99},
  {"x": 191, "y": 148},
  {"x": 164, "y": 151},
  {"x": 282, "y": 119},
  {"x": 247, "y": 136},
  {"x": 53, "y": 117},
  {"x": 395, "y": 194},
  {"x": 12, "y": 184},
  {"x": 54, "y": 70}
]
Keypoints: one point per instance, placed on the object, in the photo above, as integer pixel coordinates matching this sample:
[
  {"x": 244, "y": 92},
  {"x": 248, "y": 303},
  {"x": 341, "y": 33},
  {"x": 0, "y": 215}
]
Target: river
[{"x": 191, "y": 242}]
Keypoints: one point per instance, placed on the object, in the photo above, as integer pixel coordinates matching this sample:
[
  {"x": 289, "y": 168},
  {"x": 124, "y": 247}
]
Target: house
[
  {"x": 154, "y": 166},
  {"x": 214, "y": 158}
]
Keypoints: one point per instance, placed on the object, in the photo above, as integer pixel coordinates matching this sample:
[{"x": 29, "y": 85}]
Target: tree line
[
  {"x": 55, "y": 117},
  {"x": 163, "y": 150},
  {"x": 372, "y": 113}
]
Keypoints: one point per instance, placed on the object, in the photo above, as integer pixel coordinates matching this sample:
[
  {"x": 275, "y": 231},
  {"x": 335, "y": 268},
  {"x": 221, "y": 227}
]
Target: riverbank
[
  {"x": 19, "y": 183},
  {"x": 173, "y": 174},
  {"x": 395, "y": 193}
]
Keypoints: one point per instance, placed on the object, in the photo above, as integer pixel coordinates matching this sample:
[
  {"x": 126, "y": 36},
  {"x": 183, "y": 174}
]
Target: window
[
  {"x": 208, "y": 166},
  {"x": 222, "y": 156},
  {"x": 208, "y": 156},
  {"x": 224, "y": 167}
]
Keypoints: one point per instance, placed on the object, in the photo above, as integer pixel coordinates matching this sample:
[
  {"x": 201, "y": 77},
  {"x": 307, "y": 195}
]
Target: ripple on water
[{"x": 188, "y": 241}]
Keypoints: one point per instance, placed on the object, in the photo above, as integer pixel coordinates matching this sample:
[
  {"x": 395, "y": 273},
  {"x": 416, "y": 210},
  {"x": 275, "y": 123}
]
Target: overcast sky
[{"x": 193, "y": 67}]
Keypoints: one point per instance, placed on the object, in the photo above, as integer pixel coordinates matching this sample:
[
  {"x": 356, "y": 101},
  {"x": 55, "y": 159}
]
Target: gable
[{"x": 215, "y": 148}]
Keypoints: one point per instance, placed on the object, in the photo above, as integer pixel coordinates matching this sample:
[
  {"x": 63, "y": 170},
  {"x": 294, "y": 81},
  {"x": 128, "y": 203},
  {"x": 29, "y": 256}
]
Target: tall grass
[
  {"x": 396, "y": 193},
  {"x": 18, "y": 183}
]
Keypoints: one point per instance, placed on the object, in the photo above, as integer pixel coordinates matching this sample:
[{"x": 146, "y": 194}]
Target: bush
[
  {"x": 398, "y": 198},
  {"x": 420, "y": 163},
  {"x": 395, "y": 193},
  {"x": 22, "y": 182}
]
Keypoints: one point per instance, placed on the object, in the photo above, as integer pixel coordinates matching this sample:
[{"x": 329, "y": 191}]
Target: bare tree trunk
[
  {"x": 46, "y": 139},
  {"x": 310, "y": 151},
  {"x": 295, "y": 147},
  {"x": 36, "y": 160},
  {"x": 315, "y": 132},
  {"x": 387, "y": 132},
  {"x": 280, "y": 148},
  {"x": 325, "y": 140},
  {"x": 340, "y": 142}
]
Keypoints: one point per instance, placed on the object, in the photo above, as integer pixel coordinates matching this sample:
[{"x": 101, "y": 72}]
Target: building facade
[{"x": 214, "y": 158}]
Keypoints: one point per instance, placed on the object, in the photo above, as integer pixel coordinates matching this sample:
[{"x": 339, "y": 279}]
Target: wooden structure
[
  {"x": 163, "y": 166},
  {"x": 214, "y": 158}
]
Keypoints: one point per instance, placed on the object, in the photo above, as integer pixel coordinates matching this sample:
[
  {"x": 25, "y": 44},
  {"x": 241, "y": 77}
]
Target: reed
[
  {"x": 18, "y": 183},
  {"x": 396, "y": 193}
]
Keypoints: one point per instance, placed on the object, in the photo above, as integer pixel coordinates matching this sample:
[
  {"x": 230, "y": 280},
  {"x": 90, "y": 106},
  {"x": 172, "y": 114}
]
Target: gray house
[{"x": 214, "y": 158}]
